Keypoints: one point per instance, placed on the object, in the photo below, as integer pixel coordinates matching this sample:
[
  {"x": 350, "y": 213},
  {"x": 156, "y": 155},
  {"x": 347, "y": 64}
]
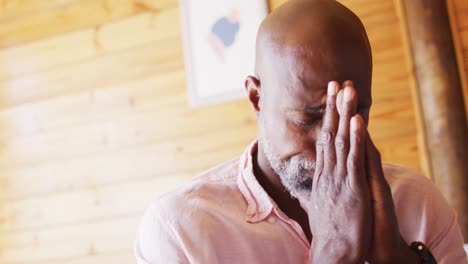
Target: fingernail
[
  {"x": 348, "y": 83},
  {"x": 332, "y": 89},
  {"x": 347, "y": 94}
]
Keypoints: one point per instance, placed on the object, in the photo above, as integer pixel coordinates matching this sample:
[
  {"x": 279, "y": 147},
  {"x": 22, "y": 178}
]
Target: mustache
[
  {"x": 300, "y": 165},
  {"x": 303, "y": 163}
]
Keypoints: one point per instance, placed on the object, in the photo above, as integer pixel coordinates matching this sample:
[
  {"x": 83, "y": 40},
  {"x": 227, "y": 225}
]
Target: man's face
[{"x": 291, "y": 109}]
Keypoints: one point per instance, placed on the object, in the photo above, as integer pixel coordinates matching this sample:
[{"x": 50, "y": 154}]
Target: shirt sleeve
[
  {"x": 424, "y": 214},
  {"x": 445, "y": 240},
  {"x": 156, "y": 241}
]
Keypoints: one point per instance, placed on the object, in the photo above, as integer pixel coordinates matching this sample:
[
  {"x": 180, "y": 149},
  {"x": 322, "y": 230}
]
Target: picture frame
[{"x": 219, "y": 47}]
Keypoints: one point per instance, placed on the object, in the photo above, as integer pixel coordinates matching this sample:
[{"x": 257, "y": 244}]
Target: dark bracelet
[{"x": 425, "y": 256}]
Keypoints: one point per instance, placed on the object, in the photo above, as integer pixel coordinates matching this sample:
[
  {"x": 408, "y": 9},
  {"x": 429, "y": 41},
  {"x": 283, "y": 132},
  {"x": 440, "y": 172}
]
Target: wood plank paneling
[
  {"x": 56, "y": 17},
  {"x": 19, "y": 8},
  {"x": 27, "y": 213},
  {"x": 94, "y": 120},
  {"x": 28, "y": 66},
  {"x": 69, "y": 242},
  {"x": 77, "y": 207}
]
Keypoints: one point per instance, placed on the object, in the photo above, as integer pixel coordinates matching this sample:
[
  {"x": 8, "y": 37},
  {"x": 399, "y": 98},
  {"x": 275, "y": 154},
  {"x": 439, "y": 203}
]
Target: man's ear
[{"x": 252, "y": 86}]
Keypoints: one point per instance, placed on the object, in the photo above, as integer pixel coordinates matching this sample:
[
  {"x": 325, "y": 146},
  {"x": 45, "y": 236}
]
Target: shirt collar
[{"x": 259, "y": 203}]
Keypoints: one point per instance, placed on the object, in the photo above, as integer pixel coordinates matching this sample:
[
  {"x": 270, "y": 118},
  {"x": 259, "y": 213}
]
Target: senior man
[{"x": 313, "y": 188}]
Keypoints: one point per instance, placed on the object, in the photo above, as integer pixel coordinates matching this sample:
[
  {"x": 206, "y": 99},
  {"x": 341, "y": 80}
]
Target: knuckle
[
  {"x": 356, "y": 139},
  {"x": 325, "y": 138},
  {"x": 331, "y": 104},
  {"x": 352, "y": 162},
  {"x": 341, "y": 143}
]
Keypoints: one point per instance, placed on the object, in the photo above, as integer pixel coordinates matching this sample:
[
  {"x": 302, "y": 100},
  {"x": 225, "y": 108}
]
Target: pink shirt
[{"x": 225, "y": 216}]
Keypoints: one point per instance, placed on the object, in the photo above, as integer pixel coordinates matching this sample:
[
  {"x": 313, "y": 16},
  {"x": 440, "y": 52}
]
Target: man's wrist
[{"x": 409, "y": 256}]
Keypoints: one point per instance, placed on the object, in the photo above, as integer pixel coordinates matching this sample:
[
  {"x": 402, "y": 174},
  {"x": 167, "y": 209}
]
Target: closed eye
[
  {"x": 307, "y": 117},
  {"x": 308, "y": 122}
]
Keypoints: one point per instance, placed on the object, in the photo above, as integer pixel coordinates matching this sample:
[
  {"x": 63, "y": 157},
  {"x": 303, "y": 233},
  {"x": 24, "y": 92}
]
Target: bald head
[
  {"x": 298, "y": 20},
  {"x": 323, "y": 34}
]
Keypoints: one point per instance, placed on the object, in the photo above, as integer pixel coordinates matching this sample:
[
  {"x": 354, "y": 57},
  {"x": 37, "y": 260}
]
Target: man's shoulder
[
  {"x": 202, "y": 193},
  {"x": 408, "y": 184},
  {"x": 401, "y": 175}
]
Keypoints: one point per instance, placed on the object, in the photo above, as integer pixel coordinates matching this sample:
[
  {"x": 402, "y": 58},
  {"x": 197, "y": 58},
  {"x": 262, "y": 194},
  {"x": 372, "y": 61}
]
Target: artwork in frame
[{"x": 219, "y": 47}]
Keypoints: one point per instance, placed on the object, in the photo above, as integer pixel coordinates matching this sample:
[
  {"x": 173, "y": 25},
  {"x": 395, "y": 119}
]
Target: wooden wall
[
  {"x": 94, "y": 120},
  {"x": 459, "y": 18}
]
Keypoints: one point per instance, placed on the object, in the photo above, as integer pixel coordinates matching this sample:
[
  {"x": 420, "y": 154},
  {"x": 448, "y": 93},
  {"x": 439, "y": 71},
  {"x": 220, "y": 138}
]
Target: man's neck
[
  {"x": 271, "y": 183},
  {"x": 267, "y": 178}
]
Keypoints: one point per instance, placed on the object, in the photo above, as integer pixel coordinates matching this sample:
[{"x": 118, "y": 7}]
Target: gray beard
[{"x": 295, "y": 173}]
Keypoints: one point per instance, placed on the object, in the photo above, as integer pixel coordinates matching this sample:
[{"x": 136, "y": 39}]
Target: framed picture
[{"x": 219, "y": 47}]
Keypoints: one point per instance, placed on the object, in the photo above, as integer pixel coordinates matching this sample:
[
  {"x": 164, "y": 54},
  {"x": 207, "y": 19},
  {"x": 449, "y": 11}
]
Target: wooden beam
[
  {"x": 458, "y": 9},
  {"x": 440, "y": 98}
]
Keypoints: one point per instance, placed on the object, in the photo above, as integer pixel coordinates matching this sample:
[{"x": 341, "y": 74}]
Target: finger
[
  {"x": 356, "y": 157},
  {"x": 373, "y": 157},
  {"x": 318, "y": 165},
  {"x": 381, "y": 195},
  {"x": 348, "y": 106},
  {"x": 330, "y": 124},
  {"x": 378, "y": 184},
  {"x": 339, "y": 101},
  {"x": 339, "y": 98}
]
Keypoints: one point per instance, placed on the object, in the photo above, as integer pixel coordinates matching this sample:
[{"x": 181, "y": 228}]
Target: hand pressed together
[{"x": 351, "y": 211}]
